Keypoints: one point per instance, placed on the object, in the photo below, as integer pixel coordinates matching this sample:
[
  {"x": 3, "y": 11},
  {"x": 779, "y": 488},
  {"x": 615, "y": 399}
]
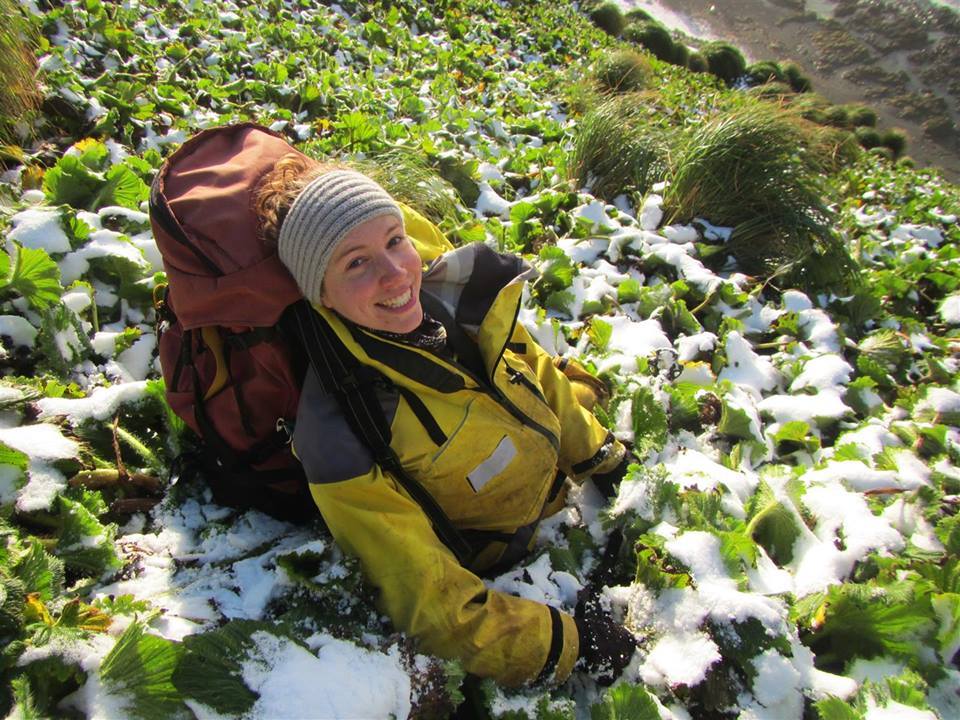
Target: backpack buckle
[{"x": 285, "y": 428}]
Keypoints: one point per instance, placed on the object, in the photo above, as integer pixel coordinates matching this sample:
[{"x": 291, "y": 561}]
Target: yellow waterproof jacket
[{"x": 485, "y": 436}]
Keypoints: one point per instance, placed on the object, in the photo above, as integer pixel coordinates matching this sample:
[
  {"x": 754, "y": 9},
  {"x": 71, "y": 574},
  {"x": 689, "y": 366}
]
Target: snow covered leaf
[
  {"x": 32, "y": 275},
  {"x": 40, "y": 572},
  {"x": 864, "y": 620},
  {"x": 738, "y": 551},
  {"x": 862, "y": 398},
  {"x": 833, "y": 708},
  {"x": 24, "y": 706},
  {"x": 886, "y": 348},
  {"x": 736, "y": 422},
  {"x": 795, "y": 435},
  {"x": 211, "y": 671},
  {"x": 50, "y": 679},
  {"x": 84, "y": 544},
  {"x": 62, "y": 340},
  {"x": 656, "y": 569},
  {"x": 556, "y": 268},
  {"x": 649, "y": 422},
  {"x": 600, "y": 333},
  {"x": 14, "y": 458},
  {"x": 947, "y": 608},
  {"x": 626, "y": 702},
  {"x": 628, "y": 291},
  {"x": 141, "y": 666},
  {"x": 772, "y": 524}
]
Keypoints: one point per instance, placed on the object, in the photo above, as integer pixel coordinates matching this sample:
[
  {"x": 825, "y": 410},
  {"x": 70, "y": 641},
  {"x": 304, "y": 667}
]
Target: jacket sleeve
[
  {"x": 586, "y": 447},
  {"x": 429, "y": 595}
]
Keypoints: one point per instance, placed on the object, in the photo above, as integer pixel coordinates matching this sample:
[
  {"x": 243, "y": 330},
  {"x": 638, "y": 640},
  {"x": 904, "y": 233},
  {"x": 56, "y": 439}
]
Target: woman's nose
[{"x": 390, "y": 269}]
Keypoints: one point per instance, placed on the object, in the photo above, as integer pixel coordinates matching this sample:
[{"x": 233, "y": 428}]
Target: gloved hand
[
  {"x": 588, "y": 389},
  {"x": 605, "y": 646},
  {"x": 609, "y": 482}
]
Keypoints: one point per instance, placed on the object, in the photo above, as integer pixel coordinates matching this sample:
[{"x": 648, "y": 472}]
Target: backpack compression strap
[{"x": 352, "y": 382}]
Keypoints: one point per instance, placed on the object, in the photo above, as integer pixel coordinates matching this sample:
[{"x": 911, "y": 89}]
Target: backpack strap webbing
[{"x": 353, "y": 384}]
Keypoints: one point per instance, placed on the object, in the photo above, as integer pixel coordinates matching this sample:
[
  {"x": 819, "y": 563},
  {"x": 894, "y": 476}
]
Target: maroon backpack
[{"x": 230, "y": 372}]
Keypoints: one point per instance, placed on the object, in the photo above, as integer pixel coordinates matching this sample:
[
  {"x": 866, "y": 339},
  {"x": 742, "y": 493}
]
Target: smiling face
[{"x": 373, "y": 278}]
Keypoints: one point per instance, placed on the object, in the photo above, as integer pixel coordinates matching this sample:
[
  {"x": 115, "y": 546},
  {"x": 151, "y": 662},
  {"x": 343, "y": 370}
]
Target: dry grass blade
[{"x": 19, "y": 95}]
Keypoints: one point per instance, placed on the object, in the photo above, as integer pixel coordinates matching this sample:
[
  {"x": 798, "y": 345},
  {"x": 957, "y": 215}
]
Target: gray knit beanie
[{"x": 323, "y": 213}]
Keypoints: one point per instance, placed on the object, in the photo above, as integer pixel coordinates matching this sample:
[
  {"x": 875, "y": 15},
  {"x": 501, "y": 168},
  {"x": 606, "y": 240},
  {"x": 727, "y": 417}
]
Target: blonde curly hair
[{"x": 278, "y": 188}]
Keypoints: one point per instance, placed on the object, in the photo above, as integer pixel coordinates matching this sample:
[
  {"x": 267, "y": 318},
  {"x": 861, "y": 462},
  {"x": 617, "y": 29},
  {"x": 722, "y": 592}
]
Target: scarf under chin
[{"x": 429, "y": 335}]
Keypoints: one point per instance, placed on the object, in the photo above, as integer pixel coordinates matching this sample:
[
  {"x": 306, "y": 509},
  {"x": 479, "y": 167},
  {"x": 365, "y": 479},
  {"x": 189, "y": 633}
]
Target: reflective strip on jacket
[{"x": 487, "y": 449}]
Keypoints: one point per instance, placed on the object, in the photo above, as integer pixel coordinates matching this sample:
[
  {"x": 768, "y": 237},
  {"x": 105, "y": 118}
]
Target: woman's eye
[
  {"x": 355, "y": 263},
  {"x": 395, "y": 240}
]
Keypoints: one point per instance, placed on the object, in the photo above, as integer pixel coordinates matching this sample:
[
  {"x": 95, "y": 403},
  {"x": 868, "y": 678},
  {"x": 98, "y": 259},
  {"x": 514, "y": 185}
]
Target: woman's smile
[{"x": 398, "y": 302}]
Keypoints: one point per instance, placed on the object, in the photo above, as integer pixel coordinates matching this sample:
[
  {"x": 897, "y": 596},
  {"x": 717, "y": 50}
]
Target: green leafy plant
[
  {"x": 31, "y": 274},
  {"x": 625, "y": 702},
  {"x": 141, "y": 667},
  {"x": 87, "y": 180}
]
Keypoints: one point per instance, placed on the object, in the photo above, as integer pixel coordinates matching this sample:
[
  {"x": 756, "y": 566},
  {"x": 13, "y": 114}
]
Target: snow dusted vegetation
[{"x": 791, "y": 519}]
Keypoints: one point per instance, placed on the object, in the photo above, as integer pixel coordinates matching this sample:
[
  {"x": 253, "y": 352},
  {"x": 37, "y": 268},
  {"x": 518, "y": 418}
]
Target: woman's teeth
[{"x": 398, "y": 301}]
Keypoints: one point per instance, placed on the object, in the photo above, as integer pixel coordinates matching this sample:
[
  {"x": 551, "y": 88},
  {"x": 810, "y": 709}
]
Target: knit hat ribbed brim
[{"x": 321, "y": 216}]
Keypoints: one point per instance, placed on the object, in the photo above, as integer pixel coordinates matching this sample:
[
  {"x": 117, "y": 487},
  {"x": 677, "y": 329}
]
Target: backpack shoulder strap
[{"x": 352, "y": 383}]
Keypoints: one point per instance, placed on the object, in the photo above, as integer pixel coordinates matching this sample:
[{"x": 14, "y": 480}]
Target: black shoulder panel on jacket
[
  {"x": 492, "y": 271},
  {"x": 411, "y": 363},
  {"x": 327, "y": 447}
]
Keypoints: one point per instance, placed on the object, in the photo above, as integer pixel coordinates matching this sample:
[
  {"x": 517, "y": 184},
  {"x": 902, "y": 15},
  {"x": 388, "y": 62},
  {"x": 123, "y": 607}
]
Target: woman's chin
[{"x": 400, "y": 322}]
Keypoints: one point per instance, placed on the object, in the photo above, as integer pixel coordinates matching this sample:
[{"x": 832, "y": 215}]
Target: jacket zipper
[
  {"x": 505, "y": 401},
  {"x": 516, "y": 376},
  {"x": 490, "y": 387}
]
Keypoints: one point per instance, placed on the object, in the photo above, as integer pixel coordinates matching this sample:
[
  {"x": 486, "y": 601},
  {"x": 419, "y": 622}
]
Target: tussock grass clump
[
  {"x": 765, "y": 71},
  {"x": 697, "y": 63},
  {"x": 609, "y": 17},
  {"x": 618, "y": 149},
  {"x": 681, "y": 54},
  {"x": 724, "y": 60},
  {"x": 652, "y": 36},
  {"x": 408, "y": 178},
  {"x": 771, "y": 90},
  {"x": 794, "y": 75},
  {"x": 19, "y": 96},
  {"x": 838, "y": 116},
  {"x": 622, "y": 71},
  {"x": 863, "y": 116},
  {"x": 758, "y": 168},
  {"x": 812, "y": 107},
  {"x": 637, "y": 14},
  {"x": 869, "y": 137},
  {"x": 895, "y": 140}
]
